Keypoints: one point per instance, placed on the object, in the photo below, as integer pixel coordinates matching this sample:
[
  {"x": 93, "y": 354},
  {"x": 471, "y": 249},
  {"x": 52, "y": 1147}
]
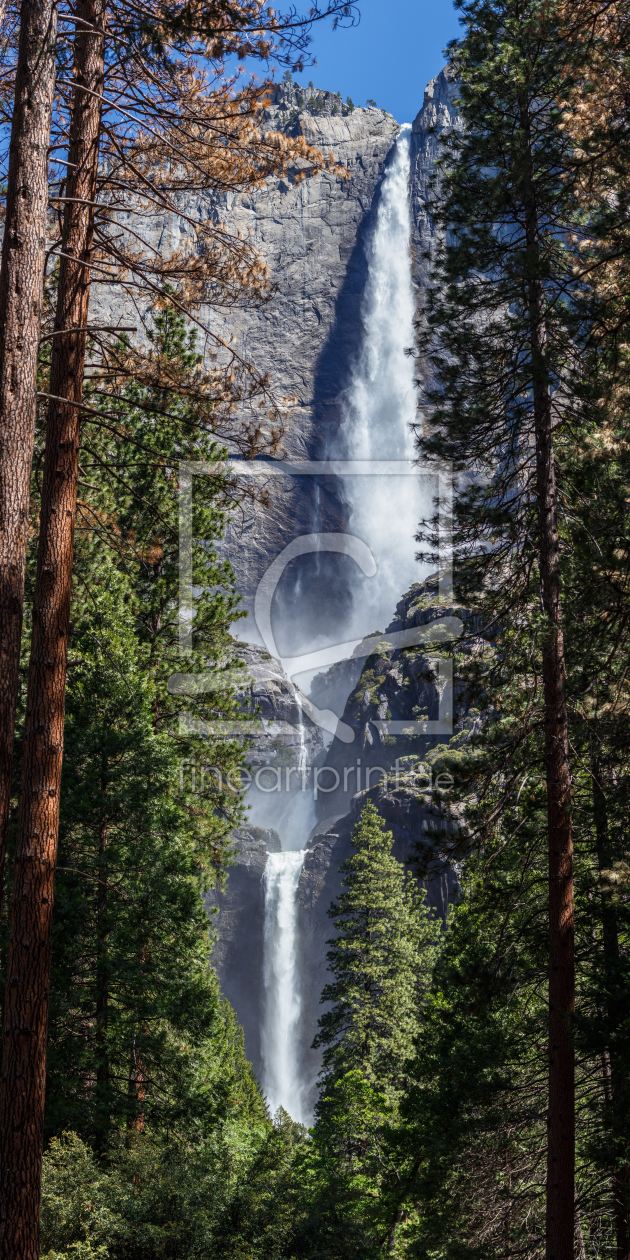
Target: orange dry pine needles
[
  {"x": 170, "y": 135},
  {"x": 166, "y": 143},
  {"x": 596, "y": 115}
]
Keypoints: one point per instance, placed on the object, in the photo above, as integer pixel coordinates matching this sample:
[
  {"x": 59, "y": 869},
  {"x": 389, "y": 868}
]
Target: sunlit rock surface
[
  {"x": 437, "y": 116},
  {"x": 282, "y": 728}
]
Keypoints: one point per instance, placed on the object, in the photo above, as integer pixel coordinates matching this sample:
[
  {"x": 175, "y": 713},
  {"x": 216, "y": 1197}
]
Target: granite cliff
[
  {"x": 238, "y": 914},
  {"x": 312, "y": 235}
]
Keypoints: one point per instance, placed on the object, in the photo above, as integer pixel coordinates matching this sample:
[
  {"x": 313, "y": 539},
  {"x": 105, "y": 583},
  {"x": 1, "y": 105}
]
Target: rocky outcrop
[
  {"x": 283, "y": 733},
  {"x": 311, "y": 236},
  {"x": 396, "y": 688},
  {"x": 437, "y": 117}
]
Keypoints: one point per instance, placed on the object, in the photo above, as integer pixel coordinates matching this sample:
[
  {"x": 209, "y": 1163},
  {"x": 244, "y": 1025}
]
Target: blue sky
[{"x": 390, "y": 56}]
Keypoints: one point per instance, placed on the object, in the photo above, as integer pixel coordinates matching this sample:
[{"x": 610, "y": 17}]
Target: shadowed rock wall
[{"x": 238, "y": 914}]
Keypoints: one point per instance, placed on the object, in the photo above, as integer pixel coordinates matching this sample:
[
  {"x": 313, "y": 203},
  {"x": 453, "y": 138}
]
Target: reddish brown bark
[
  {"x": 21, "y": 290},
  {"x": 560, "y": 1187},
  {"x": 28, "y": 968},
  {"x": 136, "y": 1090},
  {"x": 560, "y": 1226}
]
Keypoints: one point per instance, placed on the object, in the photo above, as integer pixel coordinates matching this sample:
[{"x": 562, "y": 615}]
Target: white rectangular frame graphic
[{"x": 189, "y": 469}]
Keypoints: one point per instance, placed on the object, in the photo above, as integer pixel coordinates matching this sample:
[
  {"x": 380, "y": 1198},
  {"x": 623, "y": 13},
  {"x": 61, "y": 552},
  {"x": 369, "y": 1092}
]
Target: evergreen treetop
[{"x": 379, "y": 960}]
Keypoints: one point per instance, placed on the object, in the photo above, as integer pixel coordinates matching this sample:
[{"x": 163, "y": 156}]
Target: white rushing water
[
  {"x": 380, "y": 406},
  {"x": 281, "y": 1082},
  {"x": 379, "y": 409}
]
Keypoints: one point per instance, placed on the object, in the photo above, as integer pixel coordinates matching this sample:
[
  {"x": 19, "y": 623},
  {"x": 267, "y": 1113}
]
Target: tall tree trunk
[
  {"x": 580, "y": 1249},
  {"x": 28, "y": 968},
  {"x": 21, "y": 290},
  {"x": 561, "y": 1116},
  {"x": 560, "y": 1189},
  {"x": 612, "y": 1070},
  {"x": 136, "y": 1091}
]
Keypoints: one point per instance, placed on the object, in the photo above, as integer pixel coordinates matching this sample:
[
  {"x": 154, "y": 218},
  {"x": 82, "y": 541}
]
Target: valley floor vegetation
[{"x": 475, "y": 1087}]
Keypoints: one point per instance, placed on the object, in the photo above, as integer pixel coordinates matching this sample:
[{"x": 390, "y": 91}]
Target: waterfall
[
  {"x": 281, "y": 1077},
  {"x": 379, "y": 406},
  {"x": 302, "y": 766}
]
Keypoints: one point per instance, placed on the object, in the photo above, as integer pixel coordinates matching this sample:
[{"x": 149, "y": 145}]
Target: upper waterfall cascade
[{"x": 380, "y": 406}]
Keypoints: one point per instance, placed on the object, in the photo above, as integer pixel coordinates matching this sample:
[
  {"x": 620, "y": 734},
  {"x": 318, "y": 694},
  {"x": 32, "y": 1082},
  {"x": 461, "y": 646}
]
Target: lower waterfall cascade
[
  {"x": 379, "y": 408},
  {"x": 281, "y": 1081}
]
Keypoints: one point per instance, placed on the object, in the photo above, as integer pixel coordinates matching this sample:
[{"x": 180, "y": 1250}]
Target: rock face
[
  {"x": 437, "y": 116},
  {"x": 312, "y": 235},
  {"x": 238, "y": 913},
  {"x": 284, "y": 733},
  {"x": 394, "y": 686}
]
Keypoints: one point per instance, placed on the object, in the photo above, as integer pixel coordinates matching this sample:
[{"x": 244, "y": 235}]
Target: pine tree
[
  {"x": 380, "y": 961},
  {"x": 134, "y": 1007},
  {"x": 134, "y": 1001},
  {"x": 597, "y": 578},
  {"x": 503, "y": 322},
  {"x": 138, "y": 846},
  {"x": 21, "y": 295},
  {"x": 474, "y": 1116},
  {"x": 477, "y": 1113}
]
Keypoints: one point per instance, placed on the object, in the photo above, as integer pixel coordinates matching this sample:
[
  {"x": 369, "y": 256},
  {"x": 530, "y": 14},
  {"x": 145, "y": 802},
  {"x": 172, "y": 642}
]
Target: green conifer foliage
[
  {"x": 380, "y": 961},
  {"x": 135, "y": 1009},
  {"x": 503, "y": 322},
  {"x": 475, "y": 1119}
]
